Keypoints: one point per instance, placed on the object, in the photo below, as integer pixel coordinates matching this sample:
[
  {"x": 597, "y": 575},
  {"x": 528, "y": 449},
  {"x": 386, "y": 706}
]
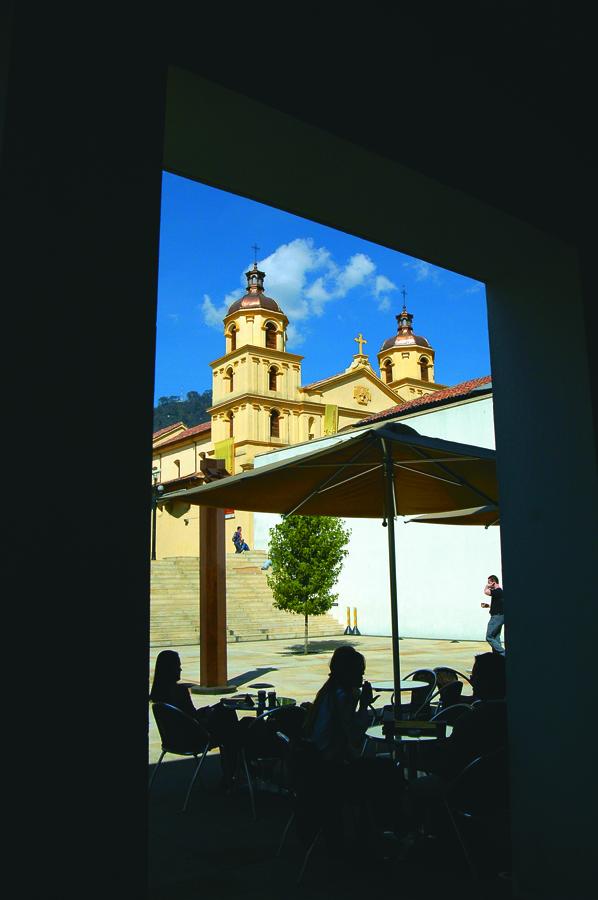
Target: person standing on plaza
[{"x": 497, "y": 615}]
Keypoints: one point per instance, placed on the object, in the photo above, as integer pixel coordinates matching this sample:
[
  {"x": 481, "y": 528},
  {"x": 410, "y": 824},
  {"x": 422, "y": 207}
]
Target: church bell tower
[{"x": 256, "y": 381}]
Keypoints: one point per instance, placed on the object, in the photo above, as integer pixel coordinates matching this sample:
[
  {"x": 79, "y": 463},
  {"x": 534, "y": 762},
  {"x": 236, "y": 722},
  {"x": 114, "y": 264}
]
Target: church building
[{"x": 259, "y": 404}]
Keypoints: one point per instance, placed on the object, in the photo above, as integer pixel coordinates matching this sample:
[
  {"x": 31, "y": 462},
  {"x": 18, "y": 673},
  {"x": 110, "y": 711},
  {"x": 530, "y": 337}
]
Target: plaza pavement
[{"x": 293, "y": 674}]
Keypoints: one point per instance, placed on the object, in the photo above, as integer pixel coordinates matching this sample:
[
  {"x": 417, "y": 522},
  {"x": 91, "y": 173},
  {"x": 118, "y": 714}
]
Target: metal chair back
[
  {"x": 180, "y": 733},
  {"x": 419, "y": 707},
  {"x": 450, "y": 714}
]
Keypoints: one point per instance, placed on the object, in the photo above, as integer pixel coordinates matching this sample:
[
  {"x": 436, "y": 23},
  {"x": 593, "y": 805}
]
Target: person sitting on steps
[{"x": 239, "y": 541}]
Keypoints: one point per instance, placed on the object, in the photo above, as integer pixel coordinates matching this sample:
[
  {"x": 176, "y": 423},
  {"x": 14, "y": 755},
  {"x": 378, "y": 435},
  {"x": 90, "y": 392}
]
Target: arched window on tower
[
  {"x": 177, "y": 466},
  {"x": 231, "y": 379},
  {"x": 272, "y": 373},
  {"x": 233, "y": 338},
  {"x": 424, "y": 364},
  {"x": 274, "y": 424},
  {"x": 271, "y": 335},
  {"x": 388, "y": 371},
  {"x": 310, "y": 428},
  {"x": 231, "y": 425}
]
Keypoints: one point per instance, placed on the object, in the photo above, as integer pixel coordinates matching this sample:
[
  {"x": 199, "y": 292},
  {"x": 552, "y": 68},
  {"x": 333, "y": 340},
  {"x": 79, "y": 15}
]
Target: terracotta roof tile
[
  {"x": 167, "y": 428},
  {"x": 198, "y": 429},
  {"x": 184, "y": 435},
  {"x": 173, "y": 483},
  {"x": 457, "y": 391}
]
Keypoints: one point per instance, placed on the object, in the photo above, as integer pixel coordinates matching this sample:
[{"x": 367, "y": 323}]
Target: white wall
[
  {"x": 441, "y": 573},
  {"x": 441, "y": 569},
  {"x": 262, "y": 522}
]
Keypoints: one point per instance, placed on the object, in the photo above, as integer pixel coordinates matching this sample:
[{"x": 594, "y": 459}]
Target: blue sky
[{"x": 331, "y": 285}]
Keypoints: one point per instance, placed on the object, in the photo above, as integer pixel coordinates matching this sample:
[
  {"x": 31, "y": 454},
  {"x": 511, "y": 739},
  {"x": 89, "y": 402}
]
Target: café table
[
  {"x": 410, "y": 741},
  {"x": 407, "y": 684},
  {"x": 248, "y": 702}
]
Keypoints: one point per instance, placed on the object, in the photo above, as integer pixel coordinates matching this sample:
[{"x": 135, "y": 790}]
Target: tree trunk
[{"x": 306, "y": 639}]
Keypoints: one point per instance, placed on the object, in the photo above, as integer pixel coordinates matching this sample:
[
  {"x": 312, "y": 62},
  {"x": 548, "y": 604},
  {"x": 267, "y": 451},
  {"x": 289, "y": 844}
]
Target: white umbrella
[{"x": 475, "y": 515}]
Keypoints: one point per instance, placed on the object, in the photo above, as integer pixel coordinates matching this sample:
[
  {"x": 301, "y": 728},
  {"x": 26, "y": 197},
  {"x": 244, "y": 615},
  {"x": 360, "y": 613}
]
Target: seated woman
[
  {"x": 335, "y": 728},
  {"x": 220, "y": 722},
  {"x": 337, "y": 721}
]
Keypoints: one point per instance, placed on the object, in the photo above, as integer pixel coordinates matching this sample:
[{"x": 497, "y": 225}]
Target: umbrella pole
[{"x": 392, "y": 567}]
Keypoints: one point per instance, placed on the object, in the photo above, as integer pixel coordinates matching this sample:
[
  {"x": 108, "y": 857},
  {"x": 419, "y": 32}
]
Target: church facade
[{"x": 259, "y": 404}]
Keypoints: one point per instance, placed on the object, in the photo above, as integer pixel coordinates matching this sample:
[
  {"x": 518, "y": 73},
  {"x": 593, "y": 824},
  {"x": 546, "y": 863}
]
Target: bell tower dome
[
  {"x": 406, "y": 359},
  {"x": 254, "y": 318}
]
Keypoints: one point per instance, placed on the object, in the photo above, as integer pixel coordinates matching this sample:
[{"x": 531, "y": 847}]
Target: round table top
[
  {"x": 375, "y": 732},
  {"x": 407, "y": 684},
  {"x": 249, "y": 702}
]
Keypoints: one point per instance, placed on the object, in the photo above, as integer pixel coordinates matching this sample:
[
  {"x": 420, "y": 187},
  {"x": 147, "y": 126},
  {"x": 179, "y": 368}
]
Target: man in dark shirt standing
[{"x": 497, "y": 616}]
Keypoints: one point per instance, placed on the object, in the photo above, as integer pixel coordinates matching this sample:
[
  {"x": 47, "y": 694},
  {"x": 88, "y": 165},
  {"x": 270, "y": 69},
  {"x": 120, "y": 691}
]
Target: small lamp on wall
[{"x": 157, "y": 491}]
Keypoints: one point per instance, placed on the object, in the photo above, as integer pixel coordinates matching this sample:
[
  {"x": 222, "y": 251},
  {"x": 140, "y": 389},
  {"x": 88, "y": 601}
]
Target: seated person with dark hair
[
  {"x": 334, "y": 730},
  {"x": 481, "y": 732},
  {"x": 475, "y": 733},
  {"x": 239, "y": 541},
  {"x": 220, "y": 722}
]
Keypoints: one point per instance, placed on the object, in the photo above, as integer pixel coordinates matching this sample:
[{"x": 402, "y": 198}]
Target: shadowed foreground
[{"x": 216, "y": 850}]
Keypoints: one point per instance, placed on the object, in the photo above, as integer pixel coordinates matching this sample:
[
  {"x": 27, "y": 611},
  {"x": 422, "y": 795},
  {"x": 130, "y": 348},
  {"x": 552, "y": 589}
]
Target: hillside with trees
[{"x": 191, "y": 411}]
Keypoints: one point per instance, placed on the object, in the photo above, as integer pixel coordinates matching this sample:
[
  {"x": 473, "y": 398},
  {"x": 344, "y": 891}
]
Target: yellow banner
[
  {"x": 226, "y": 450},
  {"x": 330, "y": 419}
]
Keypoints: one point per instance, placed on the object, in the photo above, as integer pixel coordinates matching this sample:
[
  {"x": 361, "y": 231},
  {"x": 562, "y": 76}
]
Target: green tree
[
  {"x": 307, "y": 554},
  {"x": 192, "y": 411}
]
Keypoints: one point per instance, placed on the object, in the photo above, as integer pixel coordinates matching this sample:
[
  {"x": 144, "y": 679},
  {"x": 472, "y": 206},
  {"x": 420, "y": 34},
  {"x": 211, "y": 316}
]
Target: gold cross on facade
[{"x": 360, "y": 340}]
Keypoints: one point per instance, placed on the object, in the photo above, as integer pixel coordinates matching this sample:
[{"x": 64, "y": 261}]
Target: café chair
[
  {"x": 261, "y": 744},
  {"x": 450, "y": 671},
  {"x": 477, "y": 803},
  {"x": 181, "y": 735},
  {"x": 309, "y": 791},
  {"x": 450, "y": 714},
  {"x": 449, "y": 686},
  {"x": 419, "y": 707},
  {"x": 376, "y": 718}
]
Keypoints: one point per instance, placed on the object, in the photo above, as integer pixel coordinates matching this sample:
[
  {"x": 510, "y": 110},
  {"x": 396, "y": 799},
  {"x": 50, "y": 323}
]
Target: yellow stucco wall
[
  {"x": 406, "y": 361},
  {"x": 177, "y": 529}
]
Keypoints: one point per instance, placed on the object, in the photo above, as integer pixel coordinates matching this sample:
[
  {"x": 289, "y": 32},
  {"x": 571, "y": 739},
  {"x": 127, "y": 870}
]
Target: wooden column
[{"x": 212, "y": 600}]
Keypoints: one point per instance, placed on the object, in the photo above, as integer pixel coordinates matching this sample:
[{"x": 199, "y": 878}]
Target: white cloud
[
  {"x": 382, "y": 287},
  {"x": 474, "y": 288},
  {"x": 337, "y": 281},
  {"x": 423, "y": 271},
  {"x": 295, "y": 337},
  {"x": 355, "y": 272},
  {"x": 212, "y": 314},
  {"x": 304, "y": 278},
  {"x": 287, "y": 272}
]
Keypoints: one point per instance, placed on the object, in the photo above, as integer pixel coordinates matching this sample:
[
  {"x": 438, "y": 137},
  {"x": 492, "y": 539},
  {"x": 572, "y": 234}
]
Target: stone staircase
[{"x": 250, "y": 613}]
